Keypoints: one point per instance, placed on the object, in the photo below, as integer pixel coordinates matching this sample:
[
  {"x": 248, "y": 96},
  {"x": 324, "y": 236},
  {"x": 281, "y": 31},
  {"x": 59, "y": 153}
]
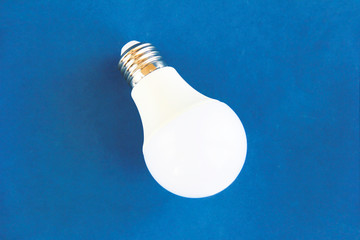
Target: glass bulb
[{"x": 194, "y": 146}]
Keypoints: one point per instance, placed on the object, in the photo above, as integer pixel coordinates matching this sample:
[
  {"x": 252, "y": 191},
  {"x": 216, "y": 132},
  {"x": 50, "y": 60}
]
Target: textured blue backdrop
[{"x": 71, "y": 165}]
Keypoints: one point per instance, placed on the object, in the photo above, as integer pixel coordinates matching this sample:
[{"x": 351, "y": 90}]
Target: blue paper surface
[{"x": 71, "y": 165}]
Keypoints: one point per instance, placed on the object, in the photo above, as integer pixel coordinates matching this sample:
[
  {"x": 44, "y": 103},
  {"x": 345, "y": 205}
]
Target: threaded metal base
[{"x": 138, "y": 61}]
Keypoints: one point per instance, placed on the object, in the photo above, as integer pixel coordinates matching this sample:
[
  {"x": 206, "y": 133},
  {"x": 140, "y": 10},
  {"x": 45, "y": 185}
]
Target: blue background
[{"x": 71, "y": 165}]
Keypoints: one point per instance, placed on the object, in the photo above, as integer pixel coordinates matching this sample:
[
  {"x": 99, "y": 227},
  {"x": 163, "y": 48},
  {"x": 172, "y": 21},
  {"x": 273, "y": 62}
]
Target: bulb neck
[
  {"x": 138, "y": 60},
  {"x": 162, "y": 96}
]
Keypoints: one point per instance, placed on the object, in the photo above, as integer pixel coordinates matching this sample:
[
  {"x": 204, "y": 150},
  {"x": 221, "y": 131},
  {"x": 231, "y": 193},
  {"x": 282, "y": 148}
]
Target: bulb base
[{"x": 138, "y": 60}]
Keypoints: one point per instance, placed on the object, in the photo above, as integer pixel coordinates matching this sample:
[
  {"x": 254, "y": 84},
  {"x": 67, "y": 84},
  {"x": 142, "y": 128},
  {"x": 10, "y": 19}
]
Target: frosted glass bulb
[{"x": 194, "y": 146}]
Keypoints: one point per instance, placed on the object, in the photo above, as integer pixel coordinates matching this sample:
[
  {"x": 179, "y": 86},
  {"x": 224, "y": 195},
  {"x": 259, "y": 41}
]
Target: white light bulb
[{"x": 194, "y": 146}]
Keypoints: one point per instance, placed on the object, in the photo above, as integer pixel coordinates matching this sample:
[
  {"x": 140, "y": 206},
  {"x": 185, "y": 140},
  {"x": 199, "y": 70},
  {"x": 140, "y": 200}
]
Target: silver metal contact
[{"x": 138, "y": 61}]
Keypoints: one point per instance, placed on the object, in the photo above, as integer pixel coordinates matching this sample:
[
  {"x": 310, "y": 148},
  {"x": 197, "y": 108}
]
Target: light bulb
[{"x": 194, "y": 146}]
